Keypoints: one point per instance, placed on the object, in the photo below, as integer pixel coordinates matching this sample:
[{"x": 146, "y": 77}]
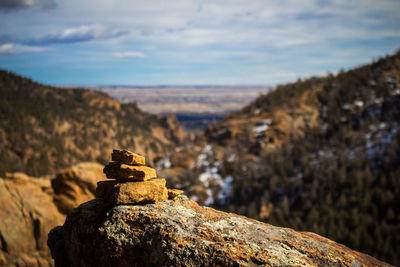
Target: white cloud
[
  {"x": 9, "y": 48},
  {"x": 124, "y": 54},
  {"x": 283, "y": 23},
  {"x": 81, "y": 33},
  {"x": 205, "y": 22},
  {"x": 235, "y": 36}
]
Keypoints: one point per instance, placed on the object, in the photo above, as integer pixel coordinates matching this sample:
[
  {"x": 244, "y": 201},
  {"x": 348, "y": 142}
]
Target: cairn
[{"x": 133, "y": 182}]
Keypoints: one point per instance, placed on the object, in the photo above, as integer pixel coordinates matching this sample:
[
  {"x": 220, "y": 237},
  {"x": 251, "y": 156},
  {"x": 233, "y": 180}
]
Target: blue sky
[{"x": 183, "y": 42}]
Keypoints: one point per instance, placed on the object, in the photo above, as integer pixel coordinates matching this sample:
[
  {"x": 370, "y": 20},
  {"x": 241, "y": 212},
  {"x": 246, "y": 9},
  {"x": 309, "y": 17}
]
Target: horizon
[
  {"x": 199, "y": 86},
  {"x": 166, "y": 86},
  {"x": 192, "y": 43}
]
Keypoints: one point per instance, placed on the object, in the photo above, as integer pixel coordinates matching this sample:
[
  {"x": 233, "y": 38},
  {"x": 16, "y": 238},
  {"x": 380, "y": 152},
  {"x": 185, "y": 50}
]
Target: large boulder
[
  {"x": 76, "y": 185},
  {"x": 179, "y": 232},
  {"x": 27, "y": 214}
]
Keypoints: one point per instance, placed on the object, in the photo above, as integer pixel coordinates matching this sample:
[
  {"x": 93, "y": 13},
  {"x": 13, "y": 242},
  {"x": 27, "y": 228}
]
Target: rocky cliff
[
  {"x": 27, "y": 214},
  {"x": 179, "y": 232},
  {"x": 31, "y": 206}
]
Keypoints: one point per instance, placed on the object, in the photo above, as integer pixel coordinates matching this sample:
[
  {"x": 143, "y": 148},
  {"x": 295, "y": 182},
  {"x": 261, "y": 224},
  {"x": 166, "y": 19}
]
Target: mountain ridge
[
  {"x": 318, "y": 155},
  {"x": 44, "y": 129}
]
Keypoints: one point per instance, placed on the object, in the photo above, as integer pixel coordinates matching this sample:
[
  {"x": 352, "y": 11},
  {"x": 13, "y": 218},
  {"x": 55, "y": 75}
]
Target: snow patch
[
  {"x": 202, "y": 159},
  {"x": 261, "y": 128},
  {"x": 226, "y": 188},
  {"x": 164, "y": 163},
  {"x": 210, "y": 177},
  {"x": 396, "y": 92},
  {"x": 359, "y": 103},
  {"x": 267, "y": 121},
  {"x": 379, "y": 137},
  {"x": 346, "y": 107},
  {"x": 378, "y": 101},
  {"x": 231, "y": 158}
]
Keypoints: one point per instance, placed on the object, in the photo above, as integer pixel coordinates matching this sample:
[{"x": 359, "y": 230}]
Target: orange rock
[
  {"x": 132, "y": 192},
  {"x": 173, "y": 193},
  {"x": 76, "y": 185},
  {"x": 27, "y": 214},
  {"x": 119, "y": 171},
  {"x": 265, "y": 211},
  {"x": 127, "y": 157}
]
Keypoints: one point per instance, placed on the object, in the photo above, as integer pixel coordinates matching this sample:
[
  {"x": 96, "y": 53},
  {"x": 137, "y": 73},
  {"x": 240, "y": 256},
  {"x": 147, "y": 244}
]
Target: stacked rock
[{"x": 133, "y": 182}]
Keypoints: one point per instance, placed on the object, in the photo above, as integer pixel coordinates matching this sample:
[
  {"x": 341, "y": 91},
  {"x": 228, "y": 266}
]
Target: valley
[
  {"x": 185, "y": 99},
  {"x": 319, "y": 155},
  {"x": 196, "y": 107}
]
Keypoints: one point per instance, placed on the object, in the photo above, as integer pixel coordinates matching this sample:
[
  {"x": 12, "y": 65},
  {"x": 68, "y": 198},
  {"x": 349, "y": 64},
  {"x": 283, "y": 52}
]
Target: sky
[{"x": 192, "y": 42}]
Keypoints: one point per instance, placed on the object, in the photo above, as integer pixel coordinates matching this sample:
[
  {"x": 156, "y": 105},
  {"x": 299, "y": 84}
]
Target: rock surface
[
  {"x": 181, "y": 233},
  {"x": 173, "y": 193},
  {"x": 27, "y": 214},
  {"x": 119, "y": 171},
  {"x": 127, "y": 157},
  {"x": 76, "y": 185},
  {"x": 31, "y": 206},
  {"x": 132, "y": 193}
]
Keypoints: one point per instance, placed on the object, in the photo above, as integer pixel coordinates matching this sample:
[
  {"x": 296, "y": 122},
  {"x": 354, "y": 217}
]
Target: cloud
[
  {"x": 279, "y": 24},
  {"x": 204, "y": 38},
  {"x": 124, "y": 54},
  {"x": 14, "y": 5},
  {"x": 10, "y": 48},
  {"x": 82, "y": 33}
]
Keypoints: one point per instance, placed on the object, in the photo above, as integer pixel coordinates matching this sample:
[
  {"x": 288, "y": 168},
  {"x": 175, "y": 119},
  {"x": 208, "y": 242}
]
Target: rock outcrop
[
  {"x": 76, "y": 185},
  {"x": 31, "y": 206},
  {"x": 27, "y": 214},
  {"x": 179, "y": 232}
]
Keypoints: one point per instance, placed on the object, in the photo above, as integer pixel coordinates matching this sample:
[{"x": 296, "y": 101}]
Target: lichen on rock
[{"x": 179, "y": 232}]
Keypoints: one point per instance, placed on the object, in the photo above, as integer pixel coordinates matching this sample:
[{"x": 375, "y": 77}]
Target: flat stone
[
  {"x": 119, "y": 171},
  {"x": 173, "y": 193},
  {"x": 149, "y": 191},
  {"x": 127, "y": 157}
]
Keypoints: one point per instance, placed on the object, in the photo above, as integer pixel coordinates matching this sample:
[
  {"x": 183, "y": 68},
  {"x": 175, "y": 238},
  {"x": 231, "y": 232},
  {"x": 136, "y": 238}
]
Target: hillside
[
  {"x": 44, "y": 129},
  {"x": 319, "y": 155}
]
